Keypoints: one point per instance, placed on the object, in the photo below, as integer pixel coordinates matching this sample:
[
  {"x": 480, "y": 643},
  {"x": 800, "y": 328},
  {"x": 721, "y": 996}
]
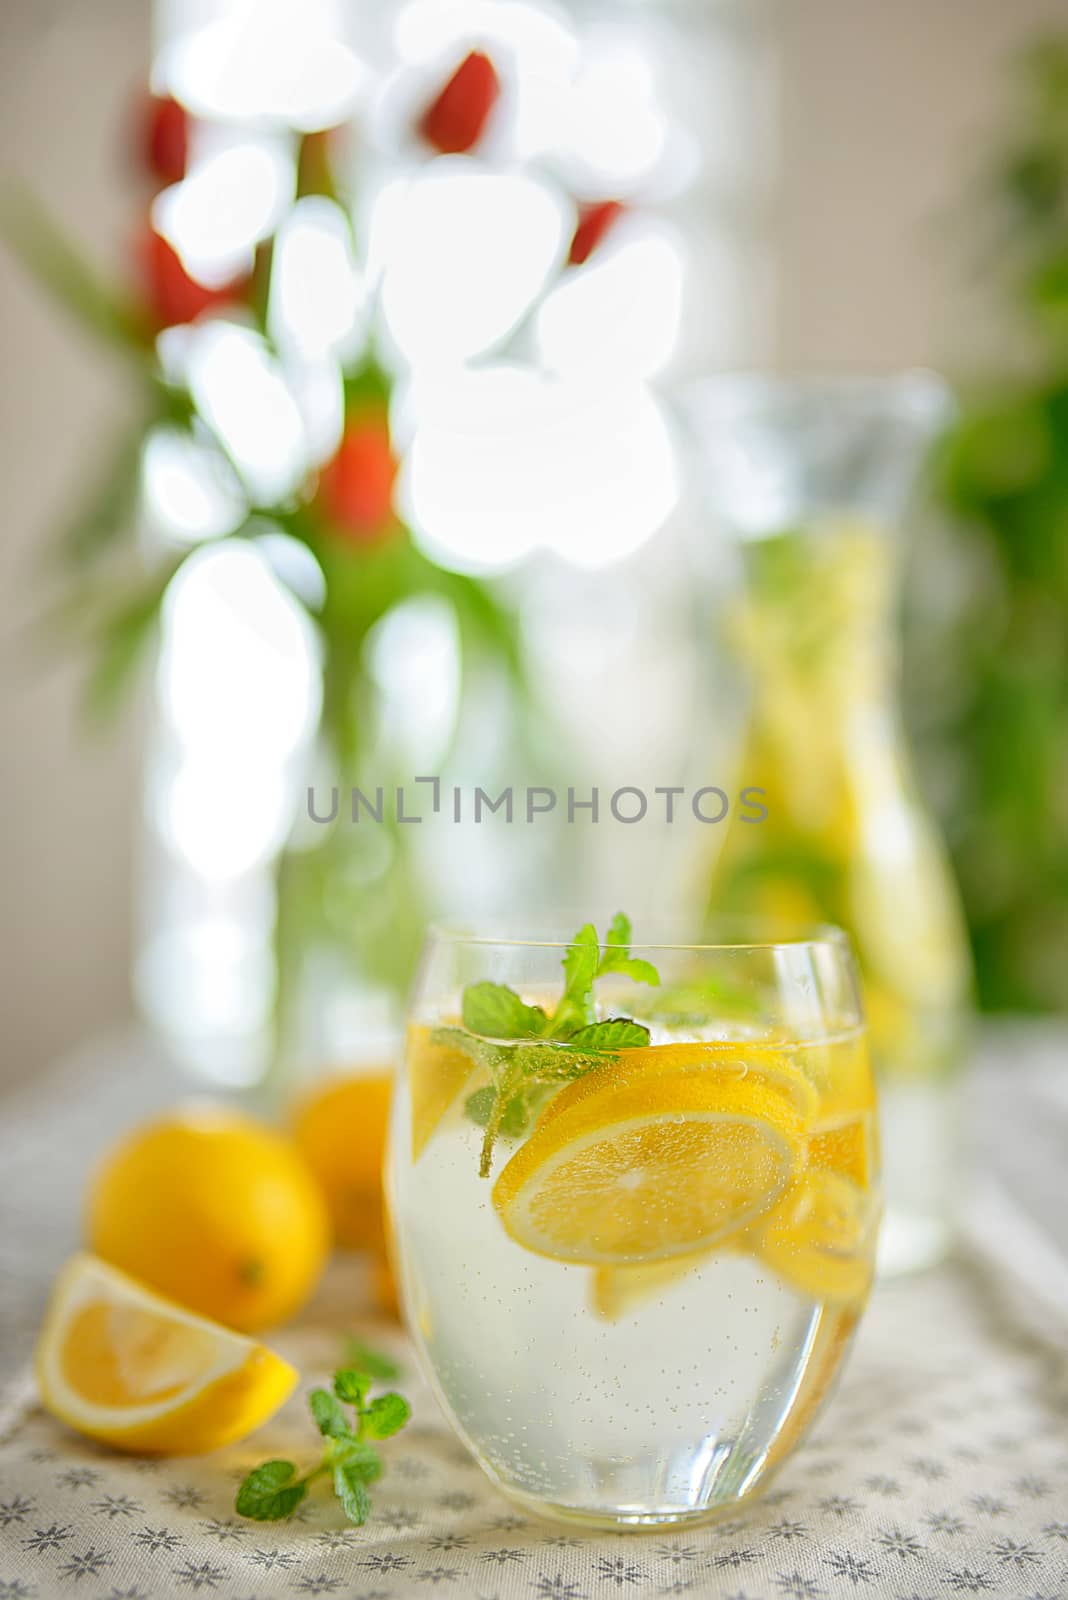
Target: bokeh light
[
  {"x": 619, "y": 316},
  {"x": 466, "y": 252},
  {"x": 506, "y": 460},
  {"x": 240, "y": 391},
  {"x": 217, "y": 215},
  {"x": 267, "y": 60},
  {"x": 318, "y": 303}
]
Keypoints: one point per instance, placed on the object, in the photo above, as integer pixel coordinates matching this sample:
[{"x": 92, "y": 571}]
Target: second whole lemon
[
  {"x": 215, "y": 1210},
  {"x": 340, "y": 1129}
]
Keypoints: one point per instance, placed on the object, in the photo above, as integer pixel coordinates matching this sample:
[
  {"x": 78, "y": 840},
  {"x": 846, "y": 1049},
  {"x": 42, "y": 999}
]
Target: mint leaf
[
  {"x": 330, "y": 1420},
  {"x": 580, "y": 965},
  {"x": 617, "y": 1033},
  {"x": 617, "y": 960},
  {"x": 486, "y": 1055},
  {"x": 351, "y": 1385},
  {"x": 386, "y": 1416},
  {"x": 272, "y": 1490},
  {"x": 364, "y": 1358},
  {"x": 544, "y": 1051},
  {"x": 481, "y": 1105},
  {"x": 360, "y": 1459},
  {"x": 267, "y": 1494},
  {"x": 351, "y": 1490},
  {"x": 497, "y": 1012},
  {"x": 580, "y": 969},
  {"x": 616, "y": 956}
]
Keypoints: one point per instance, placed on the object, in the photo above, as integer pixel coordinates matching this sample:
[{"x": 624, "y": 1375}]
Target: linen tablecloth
[{"x": 940, "y": 1468}]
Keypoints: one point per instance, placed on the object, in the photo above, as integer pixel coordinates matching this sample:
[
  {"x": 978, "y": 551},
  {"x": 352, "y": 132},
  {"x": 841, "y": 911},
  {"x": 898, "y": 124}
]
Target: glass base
[{"x": 631, "y": 1521}]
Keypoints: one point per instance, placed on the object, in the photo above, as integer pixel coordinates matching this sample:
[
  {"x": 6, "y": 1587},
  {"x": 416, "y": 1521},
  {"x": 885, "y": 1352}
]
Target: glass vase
[{"x": 814, "y": 478}]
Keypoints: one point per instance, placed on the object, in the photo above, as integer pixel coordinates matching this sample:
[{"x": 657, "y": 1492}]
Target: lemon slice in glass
[
  {"x": 436, "y": 1075},
  {"x": 820, "y": 1238},
  {"x": 640, "y": 1167},
  {"x": 846, "y": 1145}
]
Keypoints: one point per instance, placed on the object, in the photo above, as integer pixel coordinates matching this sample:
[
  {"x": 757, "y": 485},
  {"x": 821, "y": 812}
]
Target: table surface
[{"x": 940, "y": 1468}]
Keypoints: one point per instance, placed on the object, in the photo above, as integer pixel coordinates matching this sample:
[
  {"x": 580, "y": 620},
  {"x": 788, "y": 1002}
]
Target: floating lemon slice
[
  {"x": 730, "y": 1059},
  {"x": 820, "y": 1238},
  {"x": 436, "y": 1075},
  {"x": 614, "y": 1291},
  {"x": 842, "y": 1075},
  {"x": 845, "y": 1145},
  {"x": 636, "y": 1168},
  {"x": 118, "y": 1362}
]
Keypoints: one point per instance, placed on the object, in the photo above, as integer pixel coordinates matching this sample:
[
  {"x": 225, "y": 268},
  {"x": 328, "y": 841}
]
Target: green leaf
[
  {"x": 617, "y": 1033},
  {"x": 480, "y": 1106},
  {"x": 616, "y": 956},
  {"x": 484, "y": 1053},
  {"x": 552, "y": 1063},
  {"x": 360, "y": 1459},
  {"x": 515, "y": 1116},
  {"x": 386, "y": 1416},
  {"x": 329, "y": 1417},
  {"x": 497, "y": 1012},
  {"x": 365, "y": 1358},
  {"x": 630, "y": 966},
  {"x": 351, "y": 1489},
  {"x": 119, "y": 639},
  {"x": 352, "y": 1385},
  {"x": 580, "y": 969},
  {"x": 58, "y": 266},
  {"x": 268, "y": 1493},
  {"x": 580, "y": 964},
  {"x": 105, "y": 510}
]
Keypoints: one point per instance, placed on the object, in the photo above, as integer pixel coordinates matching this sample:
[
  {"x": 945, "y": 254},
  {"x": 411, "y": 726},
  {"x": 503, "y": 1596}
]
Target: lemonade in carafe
[{"x": 813, "y": 479}]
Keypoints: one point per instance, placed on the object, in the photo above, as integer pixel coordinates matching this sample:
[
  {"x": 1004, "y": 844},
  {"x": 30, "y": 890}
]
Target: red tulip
[
  {"x": 171, "y": 294},
  {"x": 455, "y": 120},
  {"x": 356, "y": 487},
  {"x": 164, "y": 138},
  {"x": 594, "y": 222}
]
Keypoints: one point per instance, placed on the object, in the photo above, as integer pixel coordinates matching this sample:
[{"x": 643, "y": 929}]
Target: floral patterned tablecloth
[{"x": 939, "y": 1469}]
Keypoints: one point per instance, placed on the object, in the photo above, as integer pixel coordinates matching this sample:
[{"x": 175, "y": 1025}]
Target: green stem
[
  {"x": 506, "y": 1088},
  {"x": 326, "y": 1465}
]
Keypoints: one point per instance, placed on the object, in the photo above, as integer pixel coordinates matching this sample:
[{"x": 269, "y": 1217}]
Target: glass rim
[{"x": 805, "y": 936}]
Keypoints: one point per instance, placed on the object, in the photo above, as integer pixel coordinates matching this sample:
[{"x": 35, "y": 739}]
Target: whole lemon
[
  {"x": 215, "y": 1210},
  {"x": 340, "y": 1129}
]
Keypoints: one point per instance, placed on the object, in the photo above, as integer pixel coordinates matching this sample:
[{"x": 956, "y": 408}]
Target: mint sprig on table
[
  {"x": 528, "y": 1050},
  {"x": 273, "y": 1490}
]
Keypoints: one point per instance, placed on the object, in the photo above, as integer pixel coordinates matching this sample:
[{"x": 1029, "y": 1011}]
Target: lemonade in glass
[{"x": 634, "y": 1195}]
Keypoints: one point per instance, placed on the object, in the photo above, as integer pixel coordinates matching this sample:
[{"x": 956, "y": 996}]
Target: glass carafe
[{"x": 814, "y": 478}]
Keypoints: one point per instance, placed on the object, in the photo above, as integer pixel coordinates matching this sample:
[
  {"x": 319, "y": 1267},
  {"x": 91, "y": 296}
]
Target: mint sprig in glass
[{"x": 526, "y": 1049}]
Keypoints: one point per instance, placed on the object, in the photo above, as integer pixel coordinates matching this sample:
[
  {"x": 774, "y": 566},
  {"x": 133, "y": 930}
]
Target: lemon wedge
[
  {"x": 120, "y": 1363},
  {"x": 636, "y": 1167}
]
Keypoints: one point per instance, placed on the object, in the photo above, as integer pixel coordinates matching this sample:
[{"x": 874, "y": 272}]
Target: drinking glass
[{"x": 632, "y": 1273}]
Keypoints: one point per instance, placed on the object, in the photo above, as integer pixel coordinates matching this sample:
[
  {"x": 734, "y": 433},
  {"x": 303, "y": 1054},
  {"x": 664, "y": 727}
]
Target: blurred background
[{"x": 836, "y": 185}]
